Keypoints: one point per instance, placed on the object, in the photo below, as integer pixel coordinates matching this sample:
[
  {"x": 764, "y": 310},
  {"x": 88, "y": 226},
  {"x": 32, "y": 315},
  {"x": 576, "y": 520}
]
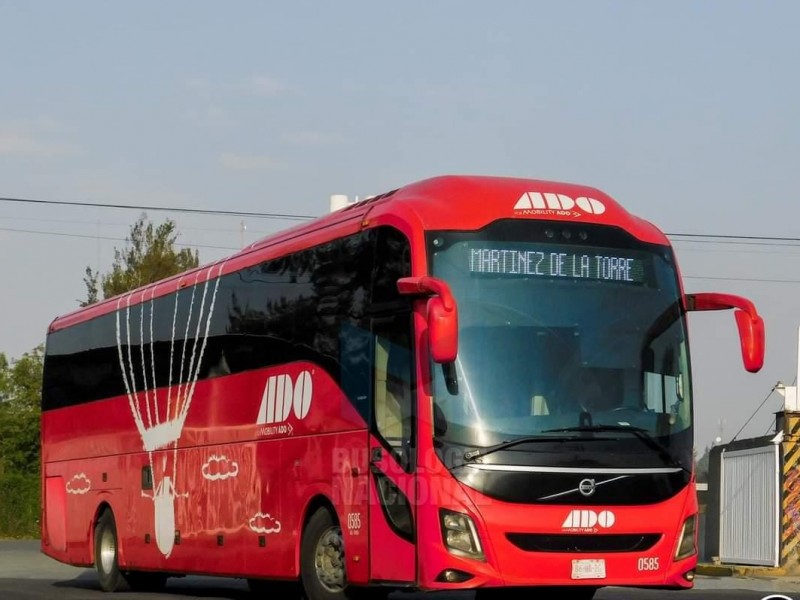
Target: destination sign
[{"x": 568, "y": 262}]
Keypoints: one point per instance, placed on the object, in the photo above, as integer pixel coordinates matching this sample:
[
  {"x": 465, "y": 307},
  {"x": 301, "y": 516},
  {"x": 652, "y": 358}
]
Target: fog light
[
  {"x": 689, "y": 575},
  {"x": 686, "y": 546},
  {"x": 460, "y": 535},
  {"x": 453, "y": 576}
]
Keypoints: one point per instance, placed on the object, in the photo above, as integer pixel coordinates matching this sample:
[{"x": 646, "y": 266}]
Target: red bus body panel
[{"x": 243, "y": 490}]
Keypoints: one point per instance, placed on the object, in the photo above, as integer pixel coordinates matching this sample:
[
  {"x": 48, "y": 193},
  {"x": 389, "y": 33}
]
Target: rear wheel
[{"x": 106, "y": 555}]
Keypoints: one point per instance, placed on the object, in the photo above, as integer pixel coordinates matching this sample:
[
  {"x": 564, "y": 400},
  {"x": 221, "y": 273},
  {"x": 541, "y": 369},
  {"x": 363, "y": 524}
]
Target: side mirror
[
  {"x": 442, "y": 315},
  {"x": 749, "y": 322}
]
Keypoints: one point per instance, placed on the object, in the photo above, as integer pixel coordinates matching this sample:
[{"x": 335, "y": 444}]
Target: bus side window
[{"x": 393, "y": 396}]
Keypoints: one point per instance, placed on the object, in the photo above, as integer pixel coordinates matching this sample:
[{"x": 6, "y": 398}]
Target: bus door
[{"x": 392, "y": 453}]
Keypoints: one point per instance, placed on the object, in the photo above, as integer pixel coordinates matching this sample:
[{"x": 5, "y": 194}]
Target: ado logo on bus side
[{"x": 282, "y": 397}]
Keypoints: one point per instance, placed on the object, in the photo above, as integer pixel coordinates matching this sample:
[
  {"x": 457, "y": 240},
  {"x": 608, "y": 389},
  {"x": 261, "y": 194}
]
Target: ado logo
[
  {"x": 283, "y": 396},
  {"x": 537, "y": 201},
  {"x": 587, "y": 519}
]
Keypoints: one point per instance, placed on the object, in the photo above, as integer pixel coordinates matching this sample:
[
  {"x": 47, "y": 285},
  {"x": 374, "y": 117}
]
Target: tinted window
[{"x": 312, "y": 305}]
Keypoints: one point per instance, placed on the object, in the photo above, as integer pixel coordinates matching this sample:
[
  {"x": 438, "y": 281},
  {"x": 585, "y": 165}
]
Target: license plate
[{"x": 589, "y": 569}]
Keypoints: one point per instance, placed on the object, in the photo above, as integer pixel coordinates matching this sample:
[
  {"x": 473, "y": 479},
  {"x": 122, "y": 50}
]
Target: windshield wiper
[
  {"x": 640, "y": 433},
  {"x": 473, "y": 454}
]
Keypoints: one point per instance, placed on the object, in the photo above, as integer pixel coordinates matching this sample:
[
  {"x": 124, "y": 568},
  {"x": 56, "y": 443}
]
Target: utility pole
[{"x": 789, "y": 418}]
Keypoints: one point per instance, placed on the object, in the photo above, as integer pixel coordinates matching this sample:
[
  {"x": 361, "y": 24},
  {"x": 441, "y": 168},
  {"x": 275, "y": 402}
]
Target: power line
[
  {"x": 196, "y": 211},
  {"x": 763, "y": 402},
  {"x": 734, "y": 237},
  {"x": 755, "y": 279},
  {"x": 113, "y": 239},
  {"x": 289, "y": 216},
  {"x": 111, "y": 224},
  {"x": 232, "y": 248}
]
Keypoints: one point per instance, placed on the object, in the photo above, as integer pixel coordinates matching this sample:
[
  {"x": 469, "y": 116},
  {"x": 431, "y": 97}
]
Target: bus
[{"x": 467, "y": 383}]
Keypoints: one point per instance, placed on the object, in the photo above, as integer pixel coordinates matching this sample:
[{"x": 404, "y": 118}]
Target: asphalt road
[{"x": 26, "y": 574}]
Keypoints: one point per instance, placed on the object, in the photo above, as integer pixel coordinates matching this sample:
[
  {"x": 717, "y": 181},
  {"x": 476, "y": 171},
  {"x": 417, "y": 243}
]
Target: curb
[{"x": 739, "y": 571}]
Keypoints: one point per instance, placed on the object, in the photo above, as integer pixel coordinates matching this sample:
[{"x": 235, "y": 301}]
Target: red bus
[{"x": 466, "y": 383}]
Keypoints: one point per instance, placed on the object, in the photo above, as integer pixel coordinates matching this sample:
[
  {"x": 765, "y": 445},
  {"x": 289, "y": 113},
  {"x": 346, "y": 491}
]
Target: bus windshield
[{"x": 568, "y": 327}]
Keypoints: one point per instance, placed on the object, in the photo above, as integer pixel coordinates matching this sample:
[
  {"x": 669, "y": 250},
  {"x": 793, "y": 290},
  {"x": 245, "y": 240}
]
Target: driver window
[{"x": 394, "y": 411}]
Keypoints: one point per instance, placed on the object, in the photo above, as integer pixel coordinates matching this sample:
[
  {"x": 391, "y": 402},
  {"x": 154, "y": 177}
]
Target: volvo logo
[{"x": 586, "y": 487}]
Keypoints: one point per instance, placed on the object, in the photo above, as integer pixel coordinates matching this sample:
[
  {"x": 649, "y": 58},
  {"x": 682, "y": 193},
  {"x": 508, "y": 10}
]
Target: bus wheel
[
  {"x": 322, "y": 563},
  {"x": 106, "y": 554}
]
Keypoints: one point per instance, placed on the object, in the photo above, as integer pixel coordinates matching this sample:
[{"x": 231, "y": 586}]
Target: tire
[
  {"x": 322, "y": 562},
  {"x": 106, "y": 554}
]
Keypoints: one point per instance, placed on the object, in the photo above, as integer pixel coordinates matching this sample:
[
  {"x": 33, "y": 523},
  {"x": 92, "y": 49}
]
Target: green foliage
[
  {"x": 20, "y": 410},
  {"x": 149, "y": 255},
  {"x": 20, "y": 499}
]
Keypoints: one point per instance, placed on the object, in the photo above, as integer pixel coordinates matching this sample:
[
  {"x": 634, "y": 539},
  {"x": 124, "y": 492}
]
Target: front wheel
[
  {"x": 322, "y": 562},
  {"x": 106, "y": 555}
]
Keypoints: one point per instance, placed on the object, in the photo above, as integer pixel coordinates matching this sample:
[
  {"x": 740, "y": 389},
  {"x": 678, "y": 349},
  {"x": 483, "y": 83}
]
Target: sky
[{"x": 688, "y": 113}]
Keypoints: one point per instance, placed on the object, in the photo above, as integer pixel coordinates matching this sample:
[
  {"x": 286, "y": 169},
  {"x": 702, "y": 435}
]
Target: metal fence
[{"x": 750, "y": 506}]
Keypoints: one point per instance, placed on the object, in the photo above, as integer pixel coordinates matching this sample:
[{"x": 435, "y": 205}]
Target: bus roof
[{"x": 450, "y": 202}]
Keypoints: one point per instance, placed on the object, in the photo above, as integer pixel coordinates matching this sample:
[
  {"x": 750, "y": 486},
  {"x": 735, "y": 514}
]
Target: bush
[{"x": 20, "y": 502}]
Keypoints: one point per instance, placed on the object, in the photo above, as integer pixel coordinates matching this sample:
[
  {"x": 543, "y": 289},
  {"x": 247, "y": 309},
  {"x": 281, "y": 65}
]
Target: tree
[
  {"x": 20, "y": 410},
  {"x": 149, "y": 255},
  {"x": 703, "y": 466}
]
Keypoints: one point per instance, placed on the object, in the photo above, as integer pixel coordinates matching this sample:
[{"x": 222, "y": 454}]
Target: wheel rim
[
  {"x": 108, "y": 551},
  {"x": 329, "y": 560}
]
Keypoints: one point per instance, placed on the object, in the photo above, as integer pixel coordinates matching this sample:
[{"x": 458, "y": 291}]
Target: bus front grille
[{"x": 536, "y": 542}]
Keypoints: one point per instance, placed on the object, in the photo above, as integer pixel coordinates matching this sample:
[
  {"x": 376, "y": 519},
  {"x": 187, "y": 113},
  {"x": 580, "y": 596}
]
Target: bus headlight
[
  {"x": 686, "y": 545},
  {"x": 460, "y": 535}
]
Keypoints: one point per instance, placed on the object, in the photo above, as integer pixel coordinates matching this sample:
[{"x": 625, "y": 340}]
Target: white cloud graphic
[
  {"x": 264, "y": 523},
  {"x": 79, "y": 484},
  {"x": 220, "y": 467}
]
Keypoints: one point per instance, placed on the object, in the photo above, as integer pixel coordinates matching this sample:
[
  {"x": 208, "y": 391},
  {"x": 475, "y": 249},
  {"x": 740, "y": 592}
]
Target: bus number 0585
[
  {"x": 649, "y": 563},
  {"x": 354, "y": 522}
]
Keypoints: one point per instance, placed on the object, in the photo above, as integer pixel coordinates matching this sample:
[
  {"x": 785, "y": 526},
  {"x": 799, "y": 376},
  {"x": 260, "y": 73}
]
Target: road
[{"x": 26, "y": 574}]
